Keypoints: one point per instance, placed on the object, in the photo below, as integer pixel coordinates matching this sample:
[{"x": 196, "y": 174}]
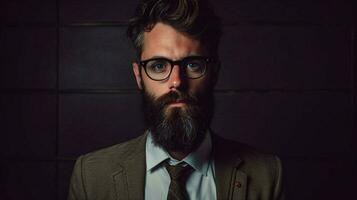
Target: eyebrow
[{"x": 158, "y": 57}]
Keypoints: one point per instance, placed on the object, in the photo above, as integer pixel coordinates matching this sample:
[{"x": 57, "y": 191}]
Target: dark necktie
[{"x": 178, "y": 175}]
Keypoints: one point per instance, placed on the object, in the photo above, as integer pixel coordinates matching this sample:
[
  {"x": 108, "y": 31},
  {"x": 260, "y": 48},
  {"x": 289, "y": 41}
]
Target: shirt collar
[{"x": 199, "y": 159}]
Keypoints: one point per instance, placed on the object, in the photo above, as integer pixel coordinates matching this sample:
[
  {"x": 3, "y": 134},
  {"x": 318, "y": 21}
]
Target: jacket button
[{"x": 237, "y": 184}]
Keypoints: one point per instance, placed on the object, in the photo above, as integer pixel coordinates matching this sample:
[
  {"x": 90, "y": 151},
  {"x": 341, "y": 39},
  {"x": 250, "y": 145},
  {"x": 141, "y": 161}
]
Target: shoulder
[
  {"x": 93, "y": 173},
  {"x": 110, "y": 158},
  {"x": 264, "y": 171},
  {"x": 252, "y": 161}
]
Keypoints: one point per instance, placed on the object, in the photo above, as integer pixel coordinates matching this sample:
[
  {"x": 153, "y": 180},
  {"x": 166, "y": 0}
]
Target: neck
[{"x": 179, "y": 155}]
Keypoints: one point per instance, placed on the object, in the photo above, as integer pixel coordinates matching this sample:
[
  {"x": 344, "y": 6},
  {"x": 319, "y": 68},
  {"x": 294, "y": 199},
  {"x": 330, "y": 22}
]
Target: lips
[
  {"x": 178, "y": 103},
  {"x": 176, "y": 99}
]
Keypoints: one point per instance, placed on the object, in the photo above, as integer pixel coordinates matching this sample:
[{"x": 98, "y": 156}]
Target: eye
[
  {"x": 194, "y": 66},
  {"x": 157, "y": 66}
]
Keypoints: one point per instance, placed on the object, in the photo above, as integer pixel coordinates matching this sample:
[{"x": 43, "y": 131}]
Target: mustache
[{"x": 175, "y": 96}]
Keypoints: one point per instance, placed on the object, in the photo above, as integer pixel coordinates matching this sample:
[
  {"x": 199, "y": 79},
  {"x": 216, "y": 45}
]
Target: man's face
[{"x": 177, "y": 109}]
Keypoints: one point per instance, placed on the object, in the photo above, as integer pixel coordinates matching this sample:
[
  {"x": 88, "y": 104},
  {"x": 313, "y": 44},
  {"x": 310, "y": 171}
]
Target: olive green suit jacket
[{"x": 118, "y": 172}]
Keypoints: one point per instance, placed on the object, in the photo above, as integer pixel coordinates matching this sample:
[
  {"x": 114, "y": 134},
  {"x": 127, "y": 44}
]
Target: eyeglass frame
[{"x": 206, "y": 59}]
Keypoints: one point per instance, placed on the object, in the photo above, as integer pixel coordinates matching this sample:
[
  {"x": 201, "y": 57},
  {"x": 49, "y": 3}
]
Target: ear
[
  {"x": 136, "y": 70},
  {"x": 215, "y": 73}
]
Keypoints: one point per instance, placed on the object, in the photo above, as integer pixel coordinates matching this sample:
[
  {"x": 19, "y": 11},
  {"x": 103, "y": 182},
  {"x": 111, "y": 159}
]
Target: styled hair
[{"x": 195, "y": 18}]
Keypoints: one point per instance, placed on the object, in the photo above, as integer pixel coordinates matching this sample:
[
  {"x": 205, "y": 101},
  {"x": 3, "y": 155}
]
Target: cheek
[
  {"x": 200, "y": 86},
  {"x": 153, "y": 87}
]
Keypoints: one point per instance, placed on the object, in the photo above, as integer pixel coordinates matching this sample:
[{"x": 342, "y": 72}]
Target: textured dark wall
[{"x": 287, "y": 86}]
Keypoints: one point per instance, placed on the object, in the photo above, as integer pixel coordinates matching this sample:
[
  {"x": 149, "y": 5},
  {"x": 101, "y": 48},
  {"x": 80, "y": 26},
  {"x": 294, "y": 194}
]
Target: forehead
[{"x": 164, "y": 41}]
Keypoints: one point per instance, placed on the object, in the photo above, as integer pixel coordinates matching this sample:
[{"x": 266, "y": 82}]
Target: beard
[{"x": 178, "y": 129}]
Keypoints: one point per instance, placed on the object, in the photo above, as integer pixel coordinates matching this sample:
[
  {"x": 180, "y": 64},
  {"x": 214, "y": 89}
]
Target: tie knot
[{"x": 179, "y": 172}]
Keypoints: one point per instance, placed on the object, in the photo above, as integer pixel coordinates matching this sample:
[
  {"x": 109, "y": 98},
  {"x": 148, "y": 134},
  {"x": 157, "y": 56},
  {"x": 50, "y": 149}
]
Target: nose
[{"x": 176, "y": 77}]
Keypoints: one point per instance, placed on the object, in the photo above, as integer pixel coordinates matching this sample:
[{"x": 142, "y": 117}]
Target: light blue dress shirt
[{"x": 200, "y": 185}]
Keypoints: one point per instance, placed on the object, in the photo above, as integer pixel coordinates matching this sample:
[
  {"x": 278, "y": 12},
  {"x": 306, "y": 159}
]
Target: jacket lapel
[
  {"x": 230, "y": 182},
  {"x": 130, "y": 180},
  {"x": 135, "y": 176},
  {"x": 239, "y": 186}
]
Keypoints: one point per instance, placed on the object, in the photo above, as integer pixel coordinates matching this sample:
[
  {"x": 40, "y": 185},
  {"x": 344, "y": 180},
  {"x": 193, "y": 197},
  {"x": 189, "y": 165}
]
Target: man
[{"x": 178, "y": 157}]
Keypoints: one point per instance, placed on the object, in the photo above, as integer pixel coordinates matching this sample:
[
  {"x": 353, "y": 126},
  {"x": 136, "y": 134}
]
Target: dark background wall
[{"x": 287, "y": 86}]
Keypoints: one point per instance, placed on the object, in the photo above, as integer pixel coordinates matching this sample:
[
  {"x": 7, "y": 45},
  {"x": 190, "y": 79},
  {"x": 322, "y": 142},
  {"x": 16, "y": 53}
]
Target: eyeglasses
[{"x": 159, "y": 69}]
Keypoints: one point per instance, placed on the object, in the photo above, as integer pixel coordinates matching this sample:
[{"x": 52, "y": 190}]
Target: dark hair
[{"x": 195, "y": 18}]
